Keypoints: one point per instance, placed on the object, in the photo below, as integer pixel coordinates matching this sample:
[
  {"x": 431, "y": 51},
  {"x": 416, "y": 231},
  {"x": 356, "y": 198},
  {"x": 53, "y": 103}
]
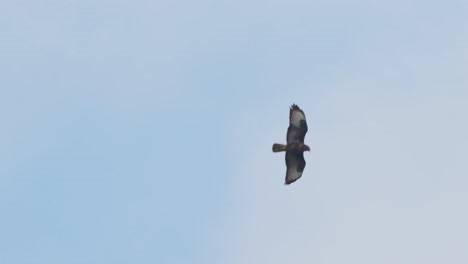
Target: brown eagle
[{"x": 295, "y": 146}]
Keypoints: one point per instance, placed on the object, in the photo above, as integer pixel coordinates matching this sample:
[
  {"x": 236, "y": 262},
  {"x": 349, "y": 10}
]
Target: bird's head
[{"x": 305, "y": 148}]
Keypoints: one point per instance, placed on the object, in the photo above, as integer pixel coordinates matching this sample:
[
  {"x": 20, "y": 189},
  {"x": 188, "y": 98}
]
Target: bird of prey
[{"x": 295, "y": 146}]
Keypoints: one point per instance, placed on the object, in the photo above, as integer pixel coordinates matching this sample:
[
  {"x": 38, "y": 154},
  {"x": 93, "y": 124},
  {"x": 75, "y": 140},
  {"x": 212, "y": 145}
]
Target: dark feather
[
  {"x": 295, "y": 164},
  {"x": 297, "y": 125}
]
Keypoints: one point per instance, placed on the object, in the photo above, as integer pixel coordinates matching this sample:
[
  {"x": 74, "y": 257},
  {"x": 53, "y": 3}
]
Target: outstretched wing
[
  {"x": 295, "y": 164},
  {"x": 297, "y": 125}
]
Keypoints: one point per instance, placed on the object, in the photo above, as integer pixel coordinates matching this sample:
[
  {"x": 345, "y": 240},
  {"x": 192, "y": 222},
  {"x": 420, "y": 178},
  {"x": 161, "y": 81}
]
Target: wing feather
[
  {"x": 297, "y": 125},
  {"x": 295, "y": 164}
]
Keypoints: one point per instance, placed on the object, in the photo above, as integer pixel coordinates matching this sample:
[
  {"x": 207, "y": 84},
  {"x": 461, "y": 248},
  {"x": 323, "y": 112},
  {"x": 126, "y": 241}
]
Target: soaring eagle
[{"x": 295, "y": 146}]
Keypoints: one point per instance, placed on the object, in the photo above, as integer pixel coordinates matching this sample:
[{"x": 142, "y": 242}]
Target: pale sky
[{"x": 141, "y": 131}]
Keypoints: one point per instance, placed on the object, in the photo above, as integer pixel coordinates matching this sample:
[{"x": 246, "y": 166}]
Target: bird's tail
[{"x": 279, "y": 147}]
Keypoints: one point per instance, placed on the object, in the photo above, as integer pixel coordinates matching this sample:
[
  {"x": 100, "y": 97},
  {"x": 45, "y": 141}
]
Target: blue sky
[{"x": 141, "y": 131}]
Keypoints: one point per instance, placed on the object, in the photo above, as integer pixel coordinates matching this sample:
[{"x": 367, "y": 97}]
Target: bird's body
[{"x": 295, "y": 146}]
